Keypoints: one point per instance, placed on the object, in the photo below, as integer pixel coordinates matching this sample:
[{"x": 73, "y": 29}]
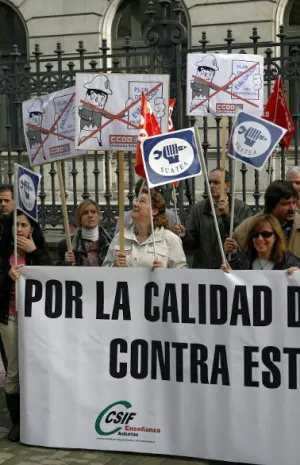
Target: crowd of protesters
[{"x": 153, "y": 238}]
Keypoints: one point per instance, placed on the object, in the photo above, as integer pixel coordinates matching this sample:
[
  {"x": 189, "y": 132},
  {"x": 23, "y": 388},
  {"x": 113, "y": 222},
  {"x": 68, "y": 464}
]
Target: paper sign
[
  {"x": 253, "y": 139},
  {"x": 171, "y": 157},
  {"x": 221, "y": 84},
  {"x": 49, "y": 127},
  {"x": 108, "y": 108}
]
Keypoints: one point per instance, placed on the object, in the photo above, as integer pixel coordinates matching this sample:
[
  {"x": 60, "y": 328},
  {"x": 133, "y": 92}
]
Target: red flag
[
  {"x": 277, "y": 111},
  {"x": 171, "y": 127},
  {"x": 148, "y": 127},
  {"x": 171, "y": 108}
]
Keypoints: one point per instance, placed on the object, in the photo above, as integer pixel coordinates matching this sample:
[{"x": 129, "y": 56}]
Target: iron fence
[{"x": 165, "y": 51}]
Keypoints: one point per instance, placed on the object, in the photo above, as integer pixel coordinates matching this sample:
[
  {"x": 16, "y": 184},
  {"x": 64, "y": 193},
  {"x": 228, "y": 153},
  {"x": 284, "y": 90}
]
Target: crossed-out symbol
[
  {"x": 119, "y": 116},
  {"x": 224, "y": 88},
  {"x": 52, "y": 131}
]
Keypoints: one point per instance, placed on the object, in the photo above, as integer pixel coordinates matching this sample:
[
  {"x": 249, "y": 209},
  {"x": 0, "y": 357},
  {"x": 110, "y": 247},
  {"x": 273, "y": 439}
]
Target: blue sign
[
  {"x": 27, "y": 185},
  {"x": 171, "y": 157},
  {"x": 253, "y": 139}
]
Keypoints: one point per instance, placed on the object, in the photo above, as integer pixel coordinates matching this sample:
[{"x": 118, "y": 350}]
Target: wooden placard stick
[
  {"x": 121, "y": 202},
  {"x": 63, "y": 204},
  {"x": 223, "y": 157}
]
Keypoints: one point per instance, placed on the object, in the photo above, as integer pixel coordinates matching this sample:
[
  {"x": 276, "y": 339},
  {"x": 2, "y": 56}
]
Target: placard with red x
[
  {"x": 108, "y": 108},
  {"x": 220, "y": 84},
  {"x": 49, "y": 127}
]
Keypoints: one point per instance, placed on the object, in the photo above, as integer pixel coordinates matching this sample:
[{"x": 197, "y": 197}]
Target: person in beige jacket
[
  {"x": 139, "y": 244},
  {"x": 281, "y": 201}
]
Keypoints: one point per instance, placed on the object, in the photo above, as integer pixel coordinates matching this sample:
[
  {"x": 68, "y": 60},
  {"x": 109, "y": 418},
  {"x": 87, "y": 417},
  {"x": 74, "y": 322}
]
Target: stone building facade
[{"x": 68, "y": 21}]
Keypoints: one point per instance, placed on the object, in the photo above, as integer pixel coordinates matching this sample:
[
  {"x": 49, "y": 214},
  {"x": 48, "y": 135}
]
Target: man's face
[
  {"x": 294, "y": 178},
  {"x": 205, "y": 73},
  {"x": 6, "y": 203},
  {"x": 285, "y": 210},
  {"x": 214, "y": 179},
  {"x": 98, "y": 99}
]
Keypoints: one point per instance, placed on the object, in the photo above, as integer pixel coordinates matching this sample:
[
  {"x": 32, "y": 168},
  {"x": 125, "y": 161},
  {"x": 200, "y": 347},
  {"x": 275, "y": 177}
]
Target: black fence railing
[{"x": 165, "y": 51}]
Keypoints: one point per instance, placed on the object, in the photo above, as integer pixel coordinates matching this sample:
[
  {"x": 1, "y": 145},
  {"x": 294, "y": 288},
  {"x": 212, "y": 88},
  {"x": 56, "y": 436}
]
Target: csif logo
[
  {"x": 109, "y": 420},
  {"x": 171, "y": 156}
]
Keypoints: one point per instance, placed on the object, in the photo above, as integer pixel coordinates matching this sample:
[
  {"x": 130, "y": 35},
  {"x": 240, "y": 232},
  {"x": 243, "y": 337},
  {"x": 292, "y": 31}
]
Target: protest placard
[
  {"x": 220, "y": 84},
  {"x": 49, "y": 127},
  {"x": 171, "y": 157},
  {"x": 253, "y": 139},
  {"x": 27, "y": 186},
  {"x": 108, "y": 108}
]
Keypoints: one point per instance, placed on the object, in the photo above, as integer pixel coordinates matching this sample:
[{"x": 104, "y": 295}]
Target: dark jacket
[
  {"x": 36, "y": 258},
  {"x": 79, "y": 250},
  {"x": 201, "y": 236},
  {"x": 242, "y": 261}
]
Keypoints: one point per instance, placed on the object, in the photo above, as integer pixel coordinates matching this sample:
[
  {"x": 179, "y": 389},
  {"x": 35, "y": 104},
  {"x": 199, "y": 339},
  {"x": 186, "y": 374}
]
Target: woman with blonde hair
[
  {"x": 90, "y": 242},
  {"x": 164, "y": 250},
  {"x": 264, "y": 248}
]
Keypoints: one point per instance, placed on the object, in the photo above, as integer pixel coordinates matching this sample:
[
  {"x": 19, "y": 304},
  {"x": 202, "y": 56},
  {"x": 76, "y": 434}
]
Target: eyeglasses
[{"x": 263, "y": 234}]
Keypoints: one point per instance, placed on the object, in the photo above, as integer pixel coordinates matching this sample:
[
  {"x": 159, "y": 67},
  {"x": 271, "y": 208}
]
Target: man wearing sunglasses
[
  {"x": 199, "y": 235},
  {"x": 281, "y": 201}
]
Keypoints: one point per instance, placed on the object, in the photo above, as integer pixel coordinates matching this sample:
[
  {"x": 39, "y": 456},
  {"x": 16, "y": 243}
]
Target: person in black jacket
[
  {"x": 31, "y": 250},
  {"x": 199, "y": 236},
  {"x": 7, "y": 205},
  {"x": 264, "y": 248}
]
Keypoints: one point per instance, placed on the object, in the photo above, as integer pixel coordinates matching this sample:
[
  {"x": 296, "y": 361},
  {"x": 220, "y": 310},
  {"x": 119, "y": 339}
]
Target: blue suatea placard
[
  {"x": 27, "y": 184},
  {"x": 171, "y": 157},
  {"x": 253, "y": 139}
]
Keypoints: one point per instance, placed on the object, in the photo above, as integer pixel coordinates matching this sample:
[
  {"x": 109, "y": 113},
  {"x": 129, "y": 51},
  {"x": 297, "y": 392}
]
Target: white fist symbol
[
  {"x": 257, "y": 81},
  {"x": 159, "y": 107}
]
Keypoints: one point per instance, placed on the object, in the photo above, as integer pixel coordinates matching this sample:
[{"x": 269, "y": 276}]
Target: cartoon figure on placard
[
  {"x": 98, "y": 90},
  {"x": 206, "y": 69},
  {"x": 34, "y": 131}
]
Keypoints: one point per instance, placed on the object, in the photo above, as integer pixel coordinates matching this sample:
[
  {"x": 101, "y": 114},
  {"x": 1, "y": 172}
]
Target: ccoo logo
[
  {"x": 251, "y": 139},
  {"x": 172, "y": 156},
  {"x": 27, "y": 192}
]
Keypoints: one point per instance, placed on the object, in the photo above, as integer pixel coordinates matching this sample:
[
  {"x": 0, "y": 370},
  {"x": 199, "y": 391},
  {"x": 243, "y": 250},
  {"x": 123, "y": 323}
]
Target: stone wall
[{"x": 66, "y": 21}]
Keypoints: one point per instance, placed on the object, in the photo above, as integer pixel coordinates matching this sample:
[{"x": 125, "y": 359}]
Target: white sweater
[{"x": 168, "y": 249}]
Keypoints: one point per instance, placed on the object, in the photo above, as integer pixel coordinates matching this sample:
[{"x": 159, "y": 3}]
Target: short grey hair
[{"x": 293, "y": 170}]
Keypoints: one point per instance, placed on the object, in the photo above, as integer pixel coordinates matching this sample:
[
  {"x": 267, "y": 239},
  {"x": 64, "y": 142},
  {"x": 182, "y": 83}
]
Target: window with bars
[
  {"x": 129, "y": 21},
  {"x": 294, "y": 17},
  {"x": 12, "y": 31}
]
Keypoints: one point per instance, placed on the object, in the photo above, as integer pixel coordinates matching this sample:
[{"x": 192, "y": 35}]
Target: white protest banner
[
  {"x": 220, "y": 84},
  {"x": 171, "y": 157},
  {"x": 253, "y": 139},
  {"x": 108, "y": 108},
  {"x": 195, "y": 363},
  {"x": 49, "y": 127}
]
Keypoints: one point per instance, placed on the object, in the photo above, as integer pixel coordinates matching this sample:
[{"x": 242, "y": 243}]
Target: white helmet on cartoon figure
[
  {"x": 208, "y": 61},
  {"x": 99, "y": 82},
  {"x": 36, "y": 107}
]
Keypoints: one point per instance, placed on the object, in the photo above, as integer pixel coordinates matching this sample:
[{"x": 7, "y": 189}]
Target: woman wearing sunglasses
[{"x": 265, "y": 249}]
